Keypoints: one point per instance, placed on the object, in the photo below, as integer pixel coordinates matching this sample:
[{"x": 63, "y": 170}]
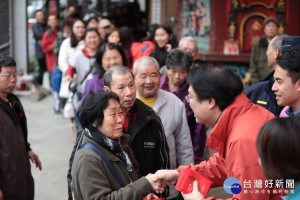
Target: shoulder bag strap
[
  {"x": 86, "y": 75},
  {"x": 91, "y": 147}
]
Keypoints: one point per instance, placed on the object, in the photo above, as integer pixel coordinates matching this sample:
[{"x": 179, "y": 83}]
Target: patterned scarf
[{"x": 114, "y": 146}]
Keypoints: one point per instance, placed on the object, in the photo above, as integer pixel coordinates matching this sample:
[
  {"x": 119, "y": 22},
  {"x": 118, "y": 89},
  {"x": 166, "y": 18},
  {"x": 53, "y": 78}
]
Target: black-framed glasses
[
  {"x": 188, "y": 98},
  {"x": 9, "y": 76}
]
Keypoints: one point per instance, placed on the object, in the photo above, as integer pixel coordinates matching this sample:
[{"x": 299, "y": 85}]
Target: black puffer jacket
[{"x": 261, "y": 94}]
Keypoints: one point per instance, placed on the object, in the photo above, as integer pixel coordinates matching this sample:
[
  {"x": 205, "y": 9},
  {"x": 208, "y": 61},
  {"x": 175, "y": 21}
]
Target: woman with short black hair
[
  {"x": 178, "y": 66},
  {"x": 104, "y": 167}
]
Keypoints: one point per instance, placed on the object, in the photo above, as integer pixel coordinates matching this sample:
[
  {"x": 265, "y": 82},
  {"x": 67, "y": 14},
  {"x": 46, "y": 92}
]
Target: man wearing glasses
[
  {"x": 217, "y": 99},
  {"x": 16, "y": 181}
]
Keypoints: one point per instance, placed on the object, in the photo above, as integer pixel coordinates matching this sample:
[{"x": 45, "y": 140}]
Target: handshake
[{"x": 162, "y": 178}]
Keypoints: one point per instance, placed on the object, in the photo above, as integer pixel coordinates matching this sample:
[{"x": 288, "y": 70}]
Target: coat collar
[
  {"x": 218, "y": 137},
  {"x": 124, "y": 140},
  {"x": 160, "y": 100}
]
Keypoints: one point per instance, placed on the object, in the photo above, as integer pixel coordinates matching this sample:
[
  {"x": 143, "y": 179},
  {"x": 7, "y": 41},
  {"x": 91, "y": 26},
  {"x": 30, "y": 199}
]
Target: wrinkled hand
[
  {"x": 150, "y": 196},
  {"x": 157, "y": 185},
  {"x": 1, "y": 195},
  {"x": 35, "y": 159},
  {"x": 168, "y": 176},
  {"x": 195, "y": 194}
]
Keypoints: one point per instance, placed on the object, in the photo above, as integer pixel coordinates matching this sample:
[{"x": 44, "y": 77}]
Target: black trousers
[{"x": 42, "y": 69}]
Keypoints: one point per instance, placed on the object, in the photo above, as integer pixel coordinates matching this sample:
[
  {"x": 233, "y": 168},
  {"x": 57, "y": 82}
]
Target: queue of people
[{"x": 140, "y": 124}]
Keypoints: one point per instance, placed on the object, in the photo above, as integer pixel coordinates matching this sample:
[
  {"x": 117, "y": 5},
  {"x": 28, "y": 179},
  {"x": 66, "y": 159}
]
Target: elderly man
[
  {"x": 16, "y": 181},
  {"x": 189, "y": 44},
  {"x": 169, "y": 108},
  {"x": 147, "y": 138},
  {"x": 259, "y": 63},
  {"x": 287, "y": 81},
  {"x": 217, "y": 99},
  {"x": 261, "y": 92}
]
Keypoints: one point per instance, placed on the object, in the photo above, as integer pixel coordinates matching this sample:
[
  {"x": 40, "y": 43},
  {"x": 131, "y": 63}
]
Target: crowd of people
[{"x": 143, "y": 109}]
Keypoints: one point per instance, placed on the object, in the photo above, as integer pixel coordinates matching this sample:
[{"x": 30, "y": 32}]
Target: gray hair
[
  {"x": 119, "y": 70},
  {"x": 277, "y": 43},
  {"x": 189, "y": 39},
  {"x": 145, "y": 61}
]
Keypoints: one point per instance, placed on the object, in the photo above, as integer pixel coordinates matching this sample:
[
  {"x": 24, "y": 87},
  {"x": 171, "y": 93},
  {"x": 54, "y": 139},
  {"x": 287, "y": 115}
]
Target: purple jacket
[
  {"x": 93, "y": 85},
  {"x": 198, "y": 131}
]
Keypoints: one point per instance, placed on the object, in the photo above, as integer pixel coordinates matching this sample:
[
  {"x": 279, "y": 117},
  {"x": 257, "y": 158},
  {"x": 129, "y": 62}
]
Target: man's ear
[
  {"x": 106, "y": 89},
  {"x": 211, "y": 103},
  {"x": 277, "y": 52},
  {"x": 298, "y": 85}
]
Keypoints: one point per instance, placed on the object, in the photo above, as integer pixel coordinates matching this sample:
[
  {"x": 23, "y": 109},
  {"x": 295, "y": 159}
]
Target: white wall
[{"x": 19, "y": 33}]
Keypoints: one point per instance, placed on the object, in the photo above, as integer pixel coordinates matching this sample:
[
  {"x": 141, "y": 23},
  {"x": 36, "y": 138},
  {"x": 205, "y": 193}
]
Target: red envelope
[{"x": 186, "y": 179}]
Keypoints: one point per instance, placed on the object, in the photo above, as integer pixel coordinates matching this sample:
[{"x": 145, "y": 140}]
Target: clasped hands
[
  {"x": 161, "y": 179},
  {"x": 165, "y": 177}
]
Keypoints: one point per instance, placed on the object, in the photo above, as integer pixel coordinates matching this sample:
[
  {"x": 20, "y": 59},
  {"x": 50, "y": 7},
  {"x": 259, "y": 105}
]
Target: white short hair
[
  {"x": 189, "y": 39},
  {"x": 144, "y": 62}
]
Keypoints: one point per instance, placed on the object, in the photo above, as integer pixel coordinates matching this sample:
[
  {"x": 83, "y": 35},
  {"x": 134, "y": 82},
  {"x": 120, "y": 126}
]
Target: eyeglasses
[
  {"x": 188, "y": 98},
  {"x": 9, "y": 76}
]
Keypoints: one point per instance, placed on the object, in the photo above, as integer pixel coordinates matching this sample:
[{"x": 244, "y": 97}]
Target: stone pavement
[{"x": 50, "y": 137}]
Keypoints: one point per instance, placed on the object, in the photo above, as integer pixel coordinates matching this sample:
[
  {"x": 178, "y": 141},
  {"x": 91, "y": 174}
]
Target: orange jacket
[{"x": 233, "y": 137}]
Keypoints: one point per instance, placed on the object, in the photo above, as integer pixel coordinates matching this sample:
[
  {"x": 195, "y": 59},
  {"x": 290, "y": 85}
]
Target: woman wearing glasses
[{"x": 109, "y": 55}]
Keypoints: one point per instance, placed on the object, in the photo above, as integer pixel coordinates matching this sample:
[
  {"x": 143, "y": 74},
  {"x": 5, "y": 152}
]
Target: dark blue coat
[{"x": 261, "y": 94}]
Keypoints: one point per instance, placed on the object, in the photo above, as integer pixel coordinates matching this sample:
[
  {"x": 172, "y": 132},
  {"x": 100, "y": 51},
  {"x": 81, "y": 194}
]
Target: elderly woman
[
  {"x": 93, "y": 176},
  {"x": 178, "y": 66}
]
